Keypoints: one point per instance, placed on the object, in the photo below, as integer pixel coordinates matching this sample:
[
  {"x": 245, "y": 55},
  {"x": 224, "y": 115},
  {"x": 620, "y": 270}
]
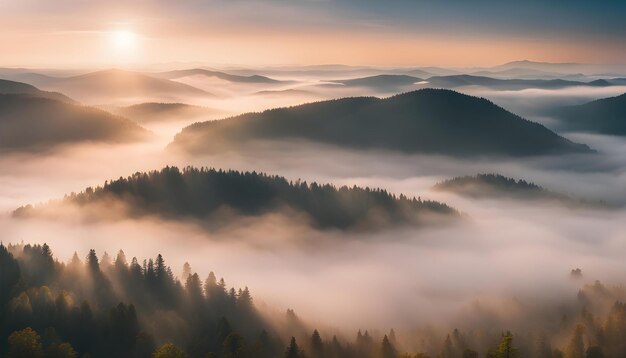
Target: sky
[{"x": 453, "y": 33}]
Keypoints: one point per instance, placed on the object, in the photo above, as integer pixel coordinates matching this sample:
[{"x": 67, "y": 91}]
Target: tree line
[{"x": 116, "y": 307}]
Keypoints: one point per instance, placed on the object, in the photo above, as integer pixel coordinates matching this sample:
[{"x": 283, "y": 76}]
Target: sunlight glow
[{"x": 123, "y": 39}]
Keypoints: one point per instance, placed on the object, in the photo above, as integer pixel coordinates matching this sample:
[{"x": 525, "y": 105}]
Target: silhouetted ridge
[
  {"x": 217, "y": 74},
  {"x": 606, "y": 116},
  {"x": 199, "y": 193},
  {"x": 381, "y": 81},
  {"x": 156, "y": 112},
  {"x": 499, "y": 186},
  {"x": 28, "y": 122},
  {"x": 424, "y": 121},
  {"x": 455, "y": 81},
  {"x": 12, "y": 87}
]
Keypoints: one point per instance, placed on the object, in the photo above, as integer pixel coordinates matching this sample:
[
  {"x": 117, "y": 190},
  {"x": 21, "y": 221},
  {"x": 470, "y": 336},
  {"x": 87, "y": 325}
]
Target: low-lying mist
[{"x": 402, "y": 278}]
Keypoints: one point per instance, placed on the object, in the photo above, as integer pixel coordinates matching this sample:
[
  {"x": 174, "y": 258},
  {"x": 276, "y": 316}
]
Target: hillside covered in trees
[
  {"x": 120, "y": 307},
  {"x": 498, "y": 186},
  {"x": 205, "y": 194},
  {"x": 425, "y": 121},
  {"x": 36, "y": 123},
  {"x": 150, "y": 112},
  {"x": 606, "y": 116},
  {"x": 13, "y": 87}
]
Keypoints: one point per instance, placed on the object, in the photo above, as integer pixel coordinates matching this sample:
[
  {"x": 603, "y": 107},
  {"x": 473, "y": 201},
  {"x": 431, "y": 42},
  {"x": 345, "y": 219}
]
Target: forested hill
[
  {"x": 12, "y": 87},
  {"x": 425, "y": 121},
  {"x": 117, "y": 307},
  {"x": 205, "y": 193},
  {"x": 499, "y": 186},
  {"x": 606, "y": 116},
  {"x": 107, "y": 306},
  {"x": 36, "y": 123}
]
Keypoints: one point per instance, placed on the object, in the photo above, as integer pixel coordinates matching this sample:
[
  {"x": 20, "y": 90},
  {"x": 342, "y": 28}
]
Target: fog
[
  {"x": 346, "y": 280},
  {"x": 406, "y": 278}
]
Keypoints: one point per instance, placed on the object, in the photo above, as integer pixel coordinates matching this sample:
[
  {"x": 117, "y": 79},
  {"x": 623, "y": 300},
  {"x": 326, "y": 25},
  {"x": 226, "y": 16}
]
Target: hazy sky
[{"x": 261, "y": 32}]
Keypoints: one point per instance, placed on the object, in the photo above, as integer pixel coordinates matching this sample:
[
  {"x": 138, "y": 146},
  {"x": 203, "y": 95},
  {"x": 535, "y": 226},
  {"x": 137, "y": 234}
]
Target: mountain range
[
  {"x": 114, "y": 84},
  {"x": 217, "y": 74}
]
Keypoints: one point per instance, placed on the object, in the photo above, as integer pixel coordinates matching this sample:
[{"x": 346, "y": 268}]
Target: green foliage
[
  {"x": 25, "y": 343},
  {"x": 505, "y": 348},
  {"x": 61, "y": 350},
  {"x": 169, "y": 350},
  {"x": 576, "y": 347}
]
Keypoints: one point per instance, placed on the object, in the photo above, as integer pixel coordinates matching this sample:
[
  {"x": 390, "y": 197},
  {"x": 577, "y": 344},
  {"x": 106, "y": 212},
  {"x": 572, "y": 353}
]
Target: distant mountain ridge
[
  {"x": 606, "y": 116},
  {"x": 114, "y": 84},
  {"x": 497, "y": 186},
  {"x": 213, "y": 196},
  {"x": 13, "y": 87},
  {"x": 381, "y": 81},
  {"x": 398, "y": 82},
  {"x": 37, "y": 123},
  {"x": 158, "y": 112},
  {"x": 508, "y": 84},
  {"x": 218, "y": 74},
  {"x": 425, "y": 121}
]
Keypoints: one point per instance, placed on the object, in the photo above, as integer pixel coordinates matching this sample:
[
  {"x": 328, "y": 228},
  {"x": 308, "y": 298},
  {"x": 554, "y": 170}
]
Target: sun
[{"x": 123, "y": 39}]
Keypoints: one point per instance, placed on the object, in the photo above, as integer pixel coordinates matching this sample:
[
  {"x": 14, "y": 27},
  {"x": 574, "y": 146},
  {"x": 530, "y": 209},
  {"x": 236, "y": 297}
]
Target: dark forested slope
[
  {"x": 498, "y": 186},
  {"x": 119, "y": 307},
  {"x": 424, "y": 121},
  {"x": 201, "y": 193},
  {"x": 32, "y": 123},
  {"x": 606, "y": 116},
  {"x": 12, "y": 87}
]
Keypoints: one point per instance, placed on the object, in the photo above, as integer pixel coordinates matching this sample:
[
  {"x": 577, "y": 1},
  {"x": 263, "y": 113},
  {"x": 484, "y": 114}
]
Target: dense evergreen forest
[
  {"x": 433, "y": 121},
  {"x": 115, "y": 307},
  {"x": 200, "y": 193}
]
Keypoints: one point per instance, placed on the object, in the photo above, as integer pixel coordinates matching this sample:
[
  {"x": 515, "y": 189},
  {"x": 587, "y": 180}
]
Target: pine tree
[
  {"x": 293, "y": 351},
  {"x": 120, "y": 261},
  {"x": 186, "y": 271},
  {"x": 387, "y": 349},
  {"x": 506, "y": 349},
  {"x": 244, "y": 300},
  {"x": 576, "y": 346},
  {"x": 234, "y": 346},
  {"x": 317, "y": 346},
  {"x": 92, "y": 262},
  {"x": 448, "y": 350}
]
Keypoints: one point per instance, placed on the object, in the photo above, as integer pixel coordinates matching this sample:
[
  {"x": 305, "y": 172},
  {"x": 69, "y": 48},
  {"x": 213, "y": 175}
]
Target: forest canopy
[
  {"x": 203, "y": 193},
  {"x": 119, "y": 307},
  {"x": 429, "y": 121}
]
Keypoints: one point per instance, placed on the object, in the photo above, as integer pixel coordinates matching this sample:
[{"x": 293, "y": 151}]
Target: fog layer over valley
[
  {"x": 321, "y": 274},
  {"x": 402, "y": 254}
]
